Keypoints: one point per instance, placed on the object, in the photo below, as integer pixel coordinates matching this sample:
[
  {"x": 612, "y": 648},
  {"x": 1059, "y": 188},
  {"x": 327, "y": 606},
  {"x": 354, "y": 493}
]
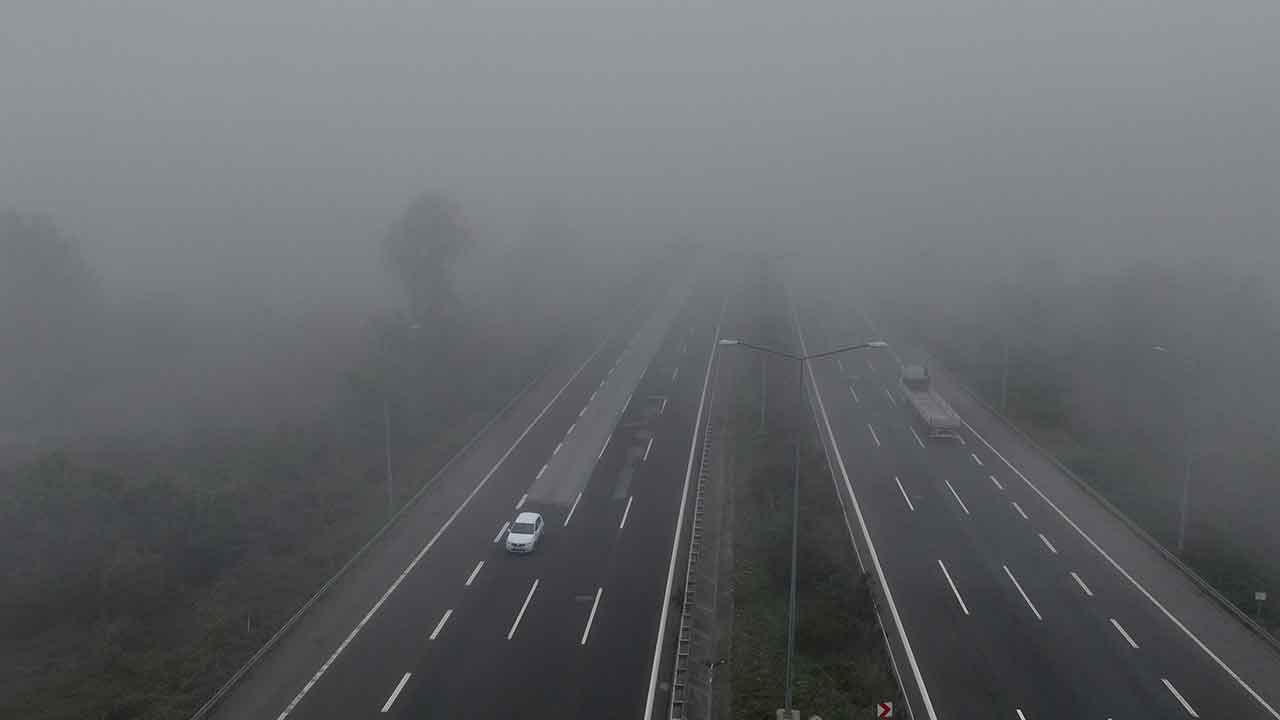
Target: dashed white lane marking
[
  {"x": 571, "y": 509},
  {"x": 870, "y": 367},
  {"x": 583, "y": 410},
  {"x": 1021, "y": 716},
  {"x": 473, "y": 574},
  {"x": 962, "y": 442},
  {"x": 520, "y": 503},
  {"x": 916, "y": 435},
  {"x": 997, "y": 482},
  {"x": 1132, "y": 580},
  {"x": 587, "y": 630},
  {"x": 1048, "y": 544},
  {"x": 1127, "y": 638},
  {"x": 956, "y": 495},
  {"x": 501, "y": 531},
  {"x": 1022, "y": 592},
  {"x": 1185, "y": 705},
  {"x": 1021, "y": 512},
  {"x": 558, "y": 446},
  {"x": 628, "y": 405},
  {"x": 890, "y": 396},
  {"x": 904, "y": 493},
  {"x": 976, "y": 458},
  {"x": 854, "y": 393},
  {"x": 440, "y": 625},
  {"x": 593, "y": 396},
  {"x": 395, "y": 693},
  {"x": 511, "y": 633},
  {"x": 540, "y": 472},
  {"x": 675, "y": 374},
  {"x": 840, "y": 364},
  {"x": 664, "y": 406},
  {"x": 959, "y": 599},
  {"x": 873, "y": 434},
  {"x": 1080, "y": 582},
  {"x": 571, "y": 428},
  {"x": 605, "y": 446},
  {"x": 626, "y": 512},
  {"x": 647, "y": 448}
]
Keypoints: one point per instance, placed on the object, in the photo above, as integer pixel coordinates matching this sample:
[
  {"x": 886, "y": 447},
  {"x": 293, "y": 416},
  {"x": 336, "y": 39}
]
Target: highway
[
  {"x": 441, "y": 622},
  {"x": 1016, "y": 595}
]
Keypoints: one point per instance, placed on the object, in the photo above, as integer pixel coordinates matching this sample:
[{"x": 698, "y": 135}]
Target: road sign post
[{"x": 1259, "y": 596}]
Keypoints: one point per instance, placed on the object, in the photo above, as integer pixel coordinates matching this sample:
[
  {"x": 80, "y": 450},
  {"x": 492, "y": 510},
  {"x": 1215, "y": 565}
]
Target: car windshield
[{"x": 522, "y": 527}]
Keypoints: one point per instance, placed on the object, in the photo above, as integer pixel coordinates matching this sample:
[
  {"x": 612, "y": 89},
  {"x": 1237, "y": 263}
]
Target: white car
[{"x": 524, "y": 532}]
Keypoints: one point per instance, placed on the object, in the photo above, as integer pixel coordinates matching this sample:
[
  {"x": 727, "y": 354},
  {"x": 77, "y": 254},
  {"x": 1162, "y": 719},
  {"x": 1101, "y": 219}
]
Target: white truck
[{"x": 937, "y": 414}]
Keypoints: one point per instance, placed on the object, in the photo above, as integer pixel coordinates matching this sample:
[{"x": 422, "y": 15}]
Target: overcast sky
[{"x": 251, "y": 129}]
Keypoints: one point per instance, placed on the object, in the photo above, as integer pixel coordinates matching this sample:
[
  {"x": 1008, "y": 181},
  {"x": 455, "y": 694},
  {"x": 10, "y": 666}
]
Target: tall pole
[
  {"x": 1004, "y": 381},
  {"x": 764, "y": 363},
  {"x": 1186, "y": 497},
  {"x": 795, "y": 535},
  {"x": 386, "y": 425}
]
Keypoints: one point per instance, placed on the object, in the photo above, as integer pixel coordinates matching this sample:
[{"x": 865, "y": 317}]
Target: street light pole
[
  {"x": 795, "y": 495},
  {"x": 1184, "y": 504},
  {"x": 386, "y": 426}
]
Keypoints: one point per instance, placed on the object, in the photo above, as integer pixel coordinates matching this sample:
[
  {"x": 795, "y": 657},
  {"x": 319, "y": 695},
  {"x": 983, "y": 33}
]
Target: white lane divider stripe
[
  {"x": 606, "y": 446},
  {"x": 916, "y": 435},
  {"x": 840, "y": 364},
  {"x": 1116, "y": 624},
  {"x": 854, "y": 393},
  {"x": 626, "y": 512},
  {"x": 873, "y": 434},
  {"x": 1021, "y": 512},
  {"x": 511, "y": 633},
  {"x": 959, "y": 599},
  {"x": 583, "y": 410},
  {"x": 890, "y": 396},
  {"x": 1048, "y": 544},
  {"x": 956, "y": 495},
  {"x": 395, "y": 693},
  {"x": 473, "y": 574},
  {"x": 664, "y": 406},
  {"x": 647, "y": 448},
  {"x": 540, "y": 472},
  {"x": 520, "y": 503},
  {"x": 1024, "y": 717},
  {"x": 1080, "y": 582},
  {"x": 558, "y": 446},
  {"x": 627, "y": 406},
  {"x": 570, "y": 430},
  {"x": 587, "y": 630},
  {"x": 1022, "y": 592},
  {"x": 675, "y": 374},
  {"x": 502, "y": 531},
  {"x": 870, "y": 367},
  {"x": 997, "y": 482},
  {"x": 1185, "y": 705},
  {"x": 575, "y": 507},
  {"x": 976, "y": 458},
  {"x": 1132, "y": 581},
  {"x": 440, "y": 625},
  {"x": 904, "y": 493}
]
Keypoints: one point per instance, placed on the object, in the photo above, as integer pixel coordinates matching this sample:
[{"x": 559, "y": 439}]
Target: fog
[{"x": 252, "y": 154}]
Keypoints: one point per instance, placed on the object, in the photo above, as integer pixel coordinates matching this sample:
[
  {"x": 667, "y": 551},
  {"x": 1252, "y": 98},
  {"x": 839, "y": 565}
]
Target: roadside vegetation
[{"x": 842, "y": 667}]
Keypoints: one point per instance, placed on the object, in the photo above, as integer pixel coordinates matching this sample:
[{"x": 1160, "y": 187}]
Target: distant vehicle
[
  {"x": 937, "y": 415},
  {"x": 524, "y": 533}
]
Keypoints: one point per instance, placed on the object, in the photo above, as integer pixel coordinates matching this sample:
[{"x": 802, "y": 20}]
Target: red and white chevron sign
[{"x": 885, "y": 710}]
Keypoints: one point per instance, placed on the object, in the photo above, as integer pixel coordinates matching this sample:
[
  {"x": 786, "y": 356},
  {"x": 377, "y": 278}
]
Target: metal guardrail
[
  {"x": 684, "y": 640},
  {"x": 1137, "y": 529},
  {"x": 271, "y": 642}
]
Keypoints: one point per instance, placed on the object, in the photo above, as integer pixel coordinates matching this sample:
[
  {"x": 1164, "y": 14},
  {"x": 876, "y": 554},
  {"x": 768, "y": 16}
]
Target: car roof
[{"x": 528, "y": 517}]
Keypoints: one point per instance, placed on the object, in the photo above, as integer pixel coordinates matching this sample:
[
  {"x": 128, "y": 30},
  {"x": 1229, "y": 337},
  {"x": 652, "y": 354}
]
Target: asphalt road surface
[
  {"x": 1016, "y": 594},
  {"x": 441, "y": 622}
]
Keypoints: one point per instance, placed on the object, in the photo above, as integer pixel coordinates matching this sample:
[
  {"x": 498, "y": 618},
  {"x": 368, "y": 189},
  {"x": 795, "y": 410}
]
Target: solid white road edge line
[
  {"x": 959, "y": 599},
  {"x": 1116, "y": 624},
  {"x": 904, "y": 493},
  {"x": 417, "y": 558},
  {"x": 956, "y": 495},
  {"x": 587, "y": 630},
  {"x": 571, "y": 509},
  {"x": 1185, "y": 705},
  {"x": 866, "y": 535},
  {"x": 1022, "y": 592},
  {"x": 502, "y": 531},
  {"x": 525, "y": 606},
  {"x": 395, "y": 693},
  {"x": 626, "y": 512},
  {"x": 443, "y": 620},
  {"x": 675, "y": 540},
  {"x": 1133, "y": 581},
  {"x": 473, "y": 574},
  {"x": 1080, "y": 582}
]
